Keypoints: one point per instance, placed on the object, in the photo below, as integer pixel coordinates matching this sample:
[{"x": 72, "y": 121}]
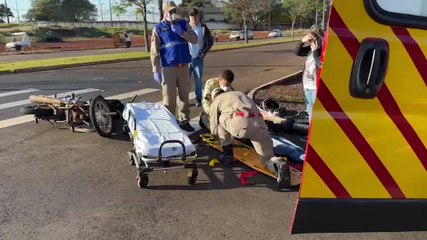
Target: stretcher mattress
[{"x": 151, "y": 124}]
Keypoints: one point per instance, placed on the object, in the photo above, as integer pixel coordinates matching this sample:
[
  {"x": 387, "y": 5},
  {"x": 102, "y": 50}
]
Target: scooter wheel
[{"x": 99, "y": 116}]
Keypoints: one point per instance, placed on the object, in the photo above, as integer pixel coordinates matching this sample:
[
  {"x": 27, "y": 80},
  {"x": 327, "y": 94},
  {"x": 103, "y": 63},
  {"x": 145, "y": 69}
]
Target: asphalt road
[
  {"x": 55, "y": 184},
  {"x": 11, "y": 57}
]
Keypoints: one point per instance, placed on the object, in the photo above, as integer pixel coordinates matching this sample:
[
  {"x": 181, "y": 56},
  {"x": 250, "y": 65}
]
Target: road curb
[{"x": 47, "y": 68}]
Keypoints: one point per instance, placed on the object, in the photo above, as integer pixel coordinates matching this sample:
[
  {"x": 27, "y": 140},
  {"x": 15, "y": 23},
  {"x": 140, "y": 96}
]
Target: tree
[
  {"x": 5, "y": 12},
  {"x": 142, "y": 5},
  {"x": 299, "y": 8},
  {"x": 160, "y": 6},
  {"x": 232, "y": 16},
  {"x": 248, "y": 11},
  {"x": 195, "y": 3},
  {"x": 119, "y": 9},
  {"x": 62, "y": 10}
]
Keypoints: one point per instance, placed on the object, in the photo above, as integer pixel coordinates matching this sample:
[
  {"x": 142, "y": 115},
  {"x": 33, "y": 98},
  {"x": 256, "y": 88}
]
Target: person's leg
[
  {"x": 226, "y": 141},
  {"x": 191, "y": 68},
  {"x": 204, "y": 121},
  {"x": 183, "y": 85},
  {"x": 258, "y": 133},
  {"x": 310, "y": 97},
  {"x": 198, "y": 77},
  {"x": 169, "y": 88}
]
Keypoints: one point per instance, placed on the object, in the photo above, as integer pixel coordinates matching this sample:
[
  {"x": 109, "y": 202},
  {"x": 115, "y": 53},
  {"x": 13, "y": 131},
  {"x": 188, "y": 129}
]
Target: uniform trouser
[
  {"x": 253, "y": 129},
  {"x": 173, "y": 78}
]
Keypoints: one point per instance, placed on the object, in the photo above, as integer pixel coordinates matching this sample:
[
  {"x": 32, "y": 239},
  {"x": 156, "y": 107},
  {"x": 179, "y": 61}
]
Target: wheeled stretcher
[{"x": 158, "y": 142}]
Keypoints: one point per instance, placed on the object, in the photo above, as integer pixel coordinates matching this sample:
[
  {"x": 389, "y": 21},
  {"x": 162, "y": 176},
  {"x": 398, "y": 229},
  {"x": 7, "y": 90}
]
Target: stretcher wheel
[
  {"x": 142, "y": 181},
  {"x": 192, "y": 176},
  {"x": 100, "y": 116}
]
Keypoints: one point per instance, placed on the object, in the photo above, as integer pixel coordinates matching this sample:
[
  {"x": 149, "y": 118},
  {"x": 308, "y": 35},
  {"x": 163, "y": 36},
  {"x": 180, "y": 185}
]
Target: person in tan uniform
[
  {"x": 224, "y": 82},
  {"x": 234, "y": 114},
  {"x": 170, "y": 56}
]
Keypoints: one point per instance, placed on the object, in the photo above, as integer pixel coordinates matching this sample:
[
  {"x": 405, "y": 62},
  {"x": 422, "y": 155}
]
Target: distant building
[{"x": 213, "y": 14}]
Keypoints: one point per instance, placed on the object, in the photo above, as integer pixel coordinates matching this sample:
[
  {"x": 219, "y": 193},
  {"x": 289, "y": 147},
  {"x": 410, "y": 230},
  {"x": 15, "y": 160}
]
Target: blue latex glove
[
  {"x": 176, "y": 28},
  {"x": 157, "y": 77}
]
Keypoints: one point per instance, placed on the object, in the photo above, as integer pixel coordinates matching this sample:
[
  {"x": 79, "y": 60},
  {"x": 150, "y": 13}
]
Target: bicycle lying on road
[{"x": 99, "y": 113}]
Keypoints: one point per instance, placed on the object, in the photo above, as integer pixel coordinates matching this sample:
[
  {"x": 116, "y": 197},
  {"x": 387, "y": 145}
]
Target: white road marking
[
  {"x": 60, "y": 95},
  {"x": 132, "y": 94},
  {"x": 18, "y": 92},
  {"x": 28, "y": 118},
  {"x": 16, "y": 121}
]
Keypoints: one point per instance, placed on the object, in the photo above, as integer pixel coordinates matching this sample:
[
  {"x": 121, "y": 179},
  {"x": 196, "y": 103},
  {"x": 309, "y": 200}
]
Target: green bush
[
  {"x": 85, "y": 32},
  {"x": 2, "y": 39},
  {"x": 112, "y": 30},
  {"x": 46, "y": 35}
]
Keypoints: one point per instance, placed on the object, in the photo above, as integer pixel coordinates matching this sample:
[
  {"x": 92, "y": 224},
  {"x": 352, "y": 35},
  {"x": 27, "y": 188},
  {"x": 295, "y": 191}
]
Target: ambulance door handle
[{"x": 369, "y": 69}]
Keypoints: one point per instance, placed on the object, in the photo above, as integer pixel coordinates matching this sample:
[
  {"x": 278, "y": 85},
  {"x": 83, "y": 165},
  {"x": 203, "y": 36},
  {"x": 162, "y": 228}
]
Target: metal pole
[
  {"x": 17, "y": 11},
  {"x": 111, "y": 14},
  {"x": 323, "y": 14},
  {"x": 102, "y": 13},
  {"x": 317, "y": 13},
  {"x": 7, "y": 12}
]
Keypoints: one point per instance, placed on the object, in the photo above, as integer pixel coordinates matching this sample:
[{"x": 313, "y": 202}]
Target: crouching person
[
  {"x": 234, "y": 114},
  {"x": 224, "y": 82}
]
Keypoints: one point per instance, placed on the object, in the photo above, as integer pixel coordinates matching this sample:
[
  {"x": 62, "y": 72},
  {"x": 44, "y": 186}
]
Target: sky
[{"x": 25, "y": 5}]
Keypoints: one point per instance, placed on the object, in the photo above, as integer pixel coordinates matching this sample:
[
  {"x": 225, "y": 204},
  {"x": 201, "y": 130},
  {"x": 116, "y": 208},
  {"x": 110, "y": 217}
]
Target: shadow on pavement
[{"x": 229, "y": 177}]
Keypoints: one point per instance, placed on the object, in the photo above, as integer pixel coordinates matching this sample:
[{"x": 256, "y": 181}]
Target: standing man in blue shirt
[
  {"x": 170, "y": 57},
  {"x": 198, "y": 51}
]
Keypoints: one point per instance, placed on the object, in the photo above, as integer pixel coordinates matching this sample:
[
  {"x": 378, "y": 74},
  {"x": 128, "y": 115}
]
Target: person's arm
[
  {"x": 189, "y": 35},
  {"x": 155, "y": 51},
  {"x": 302, "y": 51},
  {"x": 207, "y": 98},
  {"x": 208, "y": 42},
  {"x": 213, "y": 118}
]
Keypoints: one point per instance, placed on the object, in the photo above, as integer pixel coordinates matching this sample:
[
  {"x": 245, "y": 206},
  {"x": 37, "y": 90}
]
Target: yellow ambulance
[{"x": 366, "y": 159}]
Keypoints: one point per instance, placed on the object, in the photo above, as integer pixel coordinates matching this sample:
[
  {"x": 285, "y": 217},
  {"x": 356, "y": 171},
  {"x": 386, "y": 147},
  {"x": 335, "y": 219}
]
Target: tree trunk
[
  {"x": 7, "y": 12},
  {"x": 293, "y": 24},
  {"x": 160, "y": 5},
  {"x": 144, "y": 18},
  {"x": 323, "y": 14},
  {"x": 245, "y": 28}
]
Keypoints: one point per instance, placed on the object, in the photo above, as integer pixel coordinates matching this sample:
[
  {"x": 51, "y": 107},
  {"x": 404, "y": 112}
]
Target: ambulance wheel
[
  {"x": 142, "y": 181},
  {"x": 100, "y": 116},
  {"x": 192, "y": 176}
]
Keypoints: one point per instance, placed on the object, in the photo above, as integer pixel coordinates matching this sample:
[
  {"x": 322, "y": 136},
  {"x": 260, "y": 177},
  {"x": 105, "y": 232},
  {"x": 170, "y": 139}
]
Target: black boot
[
  {"x": 227, "y": 157},
  {"x": 283, "y": 176}
]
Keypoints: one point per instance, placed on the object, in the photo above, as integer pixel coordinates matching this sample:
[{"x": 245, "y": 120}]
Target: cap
[{"x": 169, "y": 6}]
